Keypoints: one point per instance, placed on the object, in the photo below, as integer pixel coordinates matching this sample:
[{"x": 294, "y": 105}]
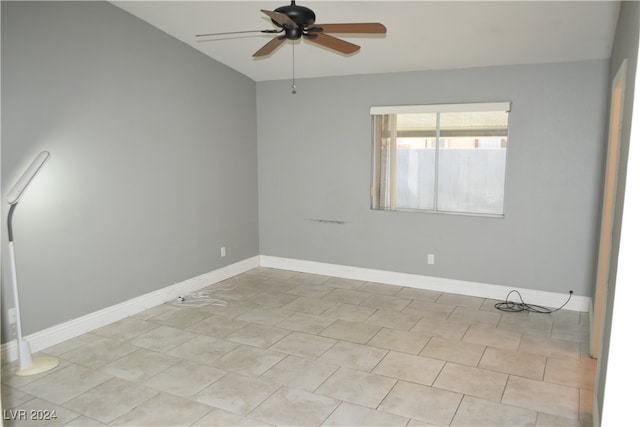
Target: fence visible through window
[{"x": 442, "y": 158}]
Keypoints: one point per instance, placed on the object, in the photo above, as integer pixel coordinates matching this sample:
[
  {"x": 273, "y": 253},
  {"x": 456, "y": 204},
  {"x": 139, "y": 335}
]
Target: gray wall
[
  {"x": 314, "y": 157},
  {"x": 153, "y": 159},
  {"x": 625, "y": 47}
]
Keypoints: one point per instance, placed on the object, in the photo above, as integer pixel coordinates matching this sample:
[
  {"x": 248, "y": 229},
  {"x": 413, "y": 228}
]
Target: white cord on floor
[{"x": 198, "y": 299}]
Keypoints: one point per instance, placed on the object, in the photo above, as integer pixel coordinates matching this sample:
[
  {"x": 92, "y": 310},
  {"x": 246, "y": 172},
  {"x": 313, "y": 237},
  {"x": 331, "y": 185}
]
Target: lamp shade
[{"x": 14, "y": 194}]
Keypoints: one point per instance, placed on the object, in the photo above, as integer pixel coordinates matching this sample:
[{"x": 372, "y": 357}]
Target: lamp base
[{"x": 39, "y": 365}]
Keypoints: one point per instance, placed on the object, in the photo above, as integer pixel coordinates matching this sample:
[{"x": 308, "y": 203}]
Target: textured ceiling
[{"x": 421, "y": 35}]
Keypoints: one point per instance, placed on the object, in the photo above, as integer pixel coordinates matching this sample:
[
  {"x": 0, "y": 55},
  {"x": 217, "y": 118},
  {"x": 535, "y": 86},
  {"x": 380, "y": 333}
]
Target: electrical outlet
[
  {"x": 13, "y": 318},
  {"x": 431, "y": 259},
  {"x": 223, "y": 251}
]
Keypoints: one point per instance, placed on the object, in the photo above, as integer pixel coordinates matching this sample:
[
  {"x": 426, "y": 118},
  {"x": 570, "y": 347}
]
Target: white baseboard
[
  {"x": 476, "y": 289},
  {"x": 73, "y": 328}
]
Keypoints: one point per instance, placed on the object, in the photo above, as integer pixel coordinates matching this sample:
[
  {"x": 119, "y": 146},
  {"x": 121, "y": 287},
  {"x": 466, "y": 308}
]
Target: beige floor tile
[
  {"x": 339, "y": 282},
  {"x": 271, "y": 299},
  {"x": 480, "y": 412},
  {"x": 568, "y": 317},
  {"x": 419, "y": 423},
  {"x": 264, "y": 315},
  {"x": 229, "y": 309},
  {"x": 357, "y": 332},
  {"x": 308, "y": 279},
  {"x": 203, "y": 349},
  {"x": 258, "y": 335},
  {"x": 435, "y": 310},
  {"x": 65, "y": 384},
  {"x": 311, "y": 290},
  {"x": 152, "y": 312},
  {"x": 216, "y": 326},
  {"x": 248, "y": 360},
  {"x": 352, "y": 355},
  {"x": 300, "y": 373},
  {"x": 291, "y": 407},
  {"x": 357, "y": 387},
  {"x": 162, "y": 338},
  {"x": 440, "y": 328},
  {"x": 185, "y": 378},
  {"x": 513, "y": 362},
  {"x": 453, "y": 351},
  {"x": 308, "y": 305},
  {"x": 277, "y": 273},
  {"x": 549, "y": 347},
  {"x": 533, "y": 326},
  {"x": 221, "y": 418},
  {"x": 303, "y": 322},
  {"x": 403, "y": 341},
  {"x": 84, "y": 421},
  {"x": 237, "y": 393},
  {"x": 393, "y": 319},
  {"x": 164, "y": 410},
  {"x": 294, "y": 314},
  {"x": 550, "y": 420},
  {"x": 472, "y": 381},
  {"x": 570, "y": 331},
  {"x": 542, "y": 396},
  {"x": 72, "y": 344},
  {"x": 237, "y": 292},
  {"x": 380, "y": 288},
  {"x": 351, "y": 312},
  {"x": 460, "y": 300},
  {"x": 347, "y": 296},
  {"x": 386, "y": 302},
  {"x": 578, "y": 373},
  {"x": 416, "y": 369},
  {"x": 473, "y": 316},
  {"x": 419, "y": 294},
  {"x": 303, "y": 345},
  {"x": 37, "y": 412},
  {"x": 423, "y": 403},
  {"x": 180, "y": 317},
  {"x": 492, "y": 337},
  {"x": 348, "y": 414},
  {"x": 9, "y": 377},
  {"x": 125, "y": 329},
  {"x": 99, "y": 352},
  {"x": 283, "y": 286},
  {"x": 12, "y": 397},
  {"x": 140, "y": 365},
  {"x": 110, "y": 400}
]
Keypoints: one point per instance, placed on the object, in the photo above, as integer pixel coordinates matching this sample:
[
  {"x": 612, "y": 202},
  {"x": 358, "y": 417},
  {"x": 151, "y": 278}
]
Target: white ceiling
[{"x": 421, "y": 35}]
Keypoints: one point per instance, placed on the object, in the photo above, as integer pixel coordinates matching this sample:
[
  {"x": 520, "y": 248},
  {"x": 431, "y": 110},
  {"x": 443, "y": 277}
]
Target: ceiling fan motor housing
[{"x": 302, "y": 16}]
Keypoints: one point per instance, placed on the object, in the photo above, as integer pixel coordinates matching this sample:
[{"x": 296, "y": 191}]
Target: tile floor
[{"x": 299, "y": 349}]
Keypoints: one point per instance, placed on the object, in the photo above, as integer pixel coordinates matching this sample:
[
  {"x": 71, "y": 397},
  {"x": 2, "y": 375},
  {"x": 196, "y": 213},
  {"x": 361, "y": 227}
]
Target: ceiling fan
[{"x": 299, "y": 22}]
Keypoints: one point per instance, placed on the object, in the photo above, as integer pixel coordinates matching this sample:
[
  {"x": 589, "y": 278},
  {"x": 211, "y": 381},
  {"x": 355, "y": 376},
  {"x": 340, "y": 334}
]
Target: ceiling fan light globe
[{"x": 293, "y": 33}]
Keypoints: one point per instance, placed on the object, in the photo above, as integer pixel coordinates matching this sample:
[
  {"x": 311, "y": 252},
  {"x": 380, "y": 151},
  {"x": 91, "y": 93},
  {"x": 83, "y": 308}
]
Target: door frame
[{"x": 608, "y": 207}]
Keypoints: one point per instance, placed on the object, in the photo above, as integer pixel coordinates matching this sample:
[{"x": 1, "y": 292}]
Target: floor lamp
[{"x": 28, "y": 364}]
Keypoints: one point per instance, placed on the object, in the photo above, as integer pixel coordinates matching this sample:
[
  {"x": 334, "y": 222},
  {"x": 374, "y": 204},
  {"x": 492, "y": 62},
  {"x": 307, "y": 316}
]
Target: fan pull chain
[{"x": 293, "y": 53}]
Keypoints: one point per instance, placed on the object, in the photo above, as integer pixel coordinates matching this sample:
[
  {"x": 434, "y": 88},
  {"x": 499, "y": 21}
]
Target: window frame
[{"x": 394, "y": 110}]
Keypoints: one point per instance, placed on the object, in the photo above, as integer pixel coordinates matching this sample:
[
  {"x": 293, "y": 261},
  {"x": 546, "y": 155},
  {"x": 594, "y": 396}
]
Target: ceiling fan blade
[
  {"x": 361, "y": 28},
  {"x": 280, "y": 18},
  {"x": 334, "y": 43},
  {"x": 271, "y": 45},
  {"x": 238, "y": 32}
]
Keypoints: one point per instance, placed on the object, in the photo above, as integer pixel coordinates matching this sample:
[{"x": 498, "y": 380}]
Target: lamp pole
[{"x": 27, "y": 364}]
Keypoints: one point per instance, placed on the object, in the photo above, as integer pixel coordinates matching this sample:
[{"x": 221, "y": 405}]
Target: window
[{"x": 440, "y": 158}]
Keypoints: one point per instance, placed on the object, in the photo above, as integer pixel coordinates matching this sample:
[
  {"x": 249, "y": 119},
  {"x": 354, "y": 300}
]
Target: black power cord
[{"x": 511, "y": 306}]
